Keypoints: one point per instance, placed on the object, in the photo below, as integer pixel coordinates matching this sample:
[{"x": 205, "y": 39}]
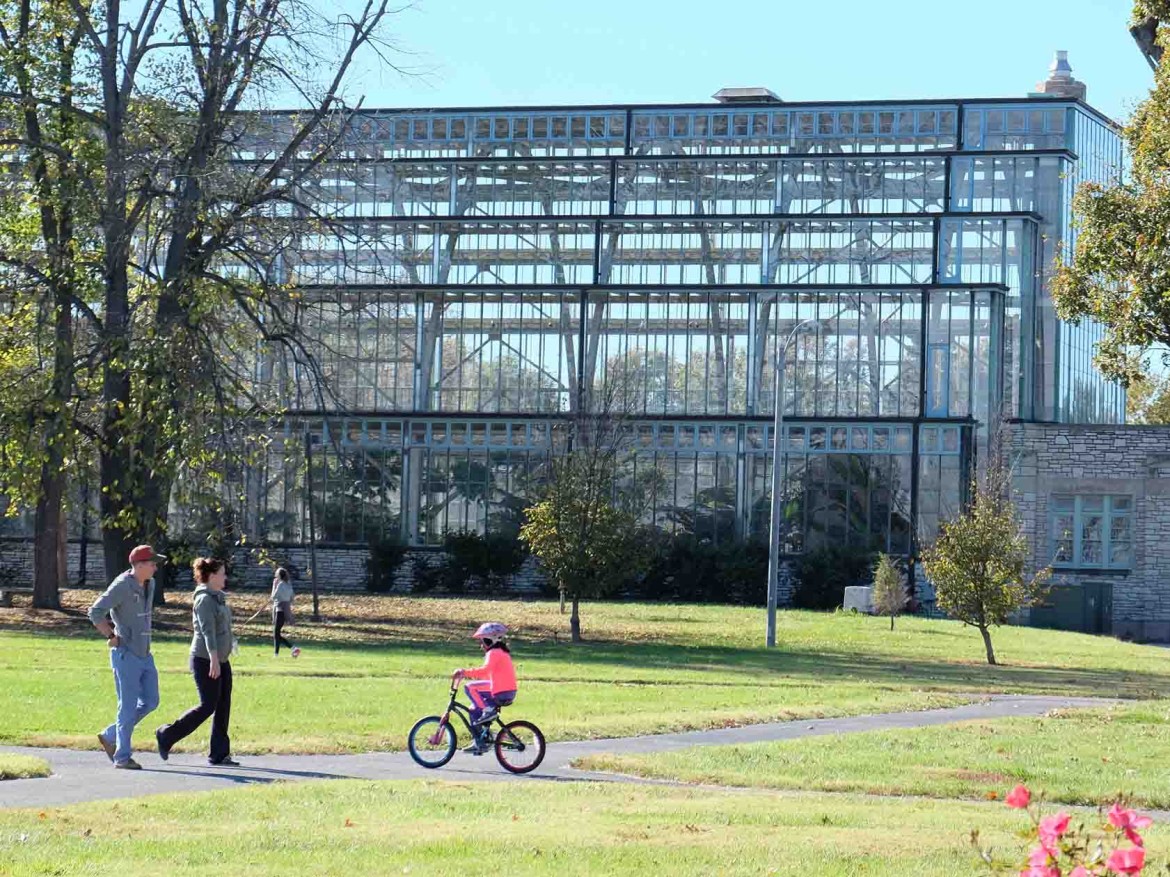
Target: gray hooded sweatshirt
[{"x": 212, "y": 619}]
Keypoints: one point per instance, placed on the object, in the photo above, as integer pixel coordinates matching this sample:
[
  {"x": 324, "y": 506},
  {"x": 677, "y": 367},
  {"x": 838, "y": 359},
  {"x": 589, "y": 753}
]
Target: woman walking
[
  {"x": 211, "y": 650},
  {"x": 282, "y": 597}
]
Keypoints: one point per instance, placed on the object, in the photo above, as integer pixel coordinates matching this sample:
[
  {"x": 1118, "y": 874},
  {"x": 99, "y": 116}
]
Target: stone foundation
[{"x": 340, "y": 568}]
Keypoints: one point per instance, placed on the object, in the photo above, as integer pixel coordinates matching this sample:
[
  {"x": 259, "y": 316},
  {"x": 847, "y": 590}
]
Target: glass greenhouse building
[{"x": 490, "y": 275}]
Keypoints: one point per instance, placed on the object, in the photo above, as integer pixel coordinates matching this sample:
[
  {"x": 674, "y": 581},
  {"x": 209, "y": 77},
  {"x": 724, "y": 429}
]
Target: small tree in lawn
[
  {"x": 584, "y": 530},
  {"x": 587, "y": 546},
  {"x": 889, "y": 589},
  {"x": 978, "y": 562}
]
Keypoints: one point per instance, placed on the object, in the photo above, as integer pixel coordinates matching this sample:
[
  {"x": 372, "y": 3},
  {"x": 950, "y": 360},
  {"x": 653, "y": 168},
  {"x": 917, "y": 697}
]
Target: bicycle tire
[
  {"x": 424, "y": 729},
  {"x": 519, "y": 737}
]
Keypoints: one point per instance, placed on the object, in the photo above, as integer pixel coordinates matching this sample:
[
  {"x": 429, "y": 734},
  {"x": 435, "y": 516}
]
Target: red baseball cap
[{"x": 145, "y": 553}]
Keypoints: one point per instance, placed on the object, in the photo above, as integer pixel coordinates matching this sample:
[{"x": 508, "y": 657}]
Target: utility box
[{"x": 859, "y": 598}]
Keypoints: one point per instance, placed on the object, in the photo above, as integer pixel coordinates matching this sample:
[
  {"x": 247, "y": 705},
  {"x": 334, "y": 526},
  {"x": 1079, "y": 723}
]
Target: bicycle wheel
[
  {"x": 431, "y": 743},
  {"x": 520, "y": 747}
]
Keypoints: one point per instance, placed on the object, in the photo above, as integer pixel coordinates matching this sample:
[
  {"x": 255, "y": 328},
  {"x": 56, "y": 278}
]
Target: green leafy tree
[
  {"x": 584, "y": 530},
  {"x": 1148, "y": 398},
  {"x": 978, "y": 563},
  {"x": 889, "y": 589},
  {"x": 587, "y": 546},
  {"x": 48, "y": 269},
  {"x": 160, "y": 201},
  {"x": 1120, "y": 271}
]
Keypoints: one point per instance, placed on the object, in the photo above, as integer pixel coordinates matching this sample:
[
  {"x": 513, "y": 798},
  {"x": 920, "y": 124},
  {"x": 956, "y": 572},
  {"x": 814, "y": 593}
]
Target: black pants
[
  {"x": 278, "y": 639},
  {"x": 215, "y": 697}
]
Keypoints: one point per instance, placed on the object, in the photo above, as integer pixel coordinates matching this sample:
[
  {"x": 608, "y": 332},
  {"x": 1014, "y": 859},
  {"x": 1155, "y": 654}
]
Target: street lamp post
[
  {"x": 774, "y": 529},
  {"x": 316, "y": 616}
]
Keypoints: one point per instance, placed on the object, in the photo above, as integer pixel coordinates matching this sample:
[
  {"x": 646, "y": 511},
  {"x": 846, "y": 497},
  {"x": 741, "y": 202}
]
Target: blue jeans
[{"x": 136, "y": 682}]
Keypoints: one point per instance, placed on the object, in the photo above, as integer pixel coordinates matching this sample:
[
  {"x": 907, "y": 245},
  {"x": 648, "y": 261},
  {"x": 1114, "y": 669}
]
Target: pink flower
[
  {"x": 1128, "y": 861},
  {"x": 1080, "y": 871},
  {"x": 1041, "y": 856},
  {"x": 1053, "y": 827},
  {"x": 1019, "y": 797},
  {"x": 1129, "y": 821},
  {"x": 1041, "y": 862}
]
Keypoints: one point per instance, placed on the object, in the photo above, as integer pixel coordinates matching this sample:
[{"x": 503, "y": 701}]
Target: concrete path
[{"x": 88, "y": 776}]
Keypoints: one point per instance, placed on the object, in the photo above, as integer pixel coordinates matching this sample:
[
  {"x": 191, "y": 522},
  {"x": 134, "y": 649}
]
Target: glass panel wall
[
  {"x": 485, "y": 276},
  {"x": 1017, "y": 126},
  {"x": 807, "y": 186},
  {"x": 475, "y": 476},
  {"x": 942, "y": 474},
  {"x": 500, "y": 350},
  {"x": 861, "y": 357},
  {"x": 669, "y": 352},
  {"x": 843, "y": 484},
  {"x": 723, "y": 130},
  {"x": 1081, "y": 394},
  {"x": 485, "y": 133}
]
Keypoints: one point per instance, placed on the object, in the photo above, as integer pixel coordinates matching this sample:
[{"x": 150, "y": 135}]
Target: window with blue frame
[{"x": 1091, "y": 532}]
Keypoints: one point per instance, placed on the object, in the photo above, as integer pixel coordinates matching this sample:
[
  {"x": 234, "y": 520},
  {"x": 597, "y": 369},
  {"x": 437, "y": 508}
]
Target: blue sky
[{"x": 619, "y": 51}]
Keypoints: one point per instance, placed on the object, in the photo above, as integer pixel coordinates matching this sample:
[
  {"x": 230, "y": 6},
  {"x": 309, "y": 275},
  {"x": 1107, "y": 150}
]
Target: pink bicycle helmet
[{"x": 492, "y": 630}]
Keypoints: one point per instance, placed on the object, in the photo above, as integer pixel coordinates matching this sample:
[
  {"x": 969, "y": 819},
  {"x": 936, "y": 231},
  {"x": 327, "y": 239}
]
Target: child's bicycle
[{"x": 432, "y": 741}]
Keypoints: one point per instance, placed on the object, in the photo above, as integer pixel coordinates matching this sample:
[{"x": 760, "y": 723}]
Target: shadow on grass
[
  {"x": 636, "y": 663},
  {"x": 734, "y": 667}
]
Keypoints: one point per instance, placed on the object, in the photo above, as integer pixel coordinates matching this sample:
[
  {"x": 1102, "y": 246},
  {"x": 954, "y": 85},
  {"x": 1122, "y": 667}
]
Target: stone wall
[
  {"x": 1129, "y": 460},
  {"x": 340, "y": 568}
]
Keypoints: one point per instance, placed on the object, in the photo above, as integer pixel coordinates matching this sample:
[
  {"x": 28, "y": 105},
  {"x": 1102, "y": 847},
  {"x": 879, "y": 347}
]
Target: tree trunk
[
  {"x": 987, "y": 644},
  {"x": 575, "y": 621},
  {"x": 116, "y": 547},
  {"x": 46, "y": 558},
  {"x": 48, "y": 565},
  {"x": 891, "y": 621},
  {"x": 562, "y": 602},
  {"x": 153, "y": 507}
]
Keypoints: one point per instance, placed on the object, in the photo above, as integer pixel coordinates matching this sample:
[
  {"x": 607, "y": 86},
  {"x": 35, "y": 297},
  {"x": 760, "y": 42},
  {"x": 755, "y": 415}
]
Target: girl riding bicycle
[{"x": 495, "y": 682}]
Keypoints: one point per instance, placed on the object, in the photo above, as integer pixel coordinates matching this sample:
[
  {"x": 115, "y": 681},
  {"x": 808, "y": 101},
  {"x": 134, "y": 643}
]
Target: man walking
[{"x": 128, "y": 601}]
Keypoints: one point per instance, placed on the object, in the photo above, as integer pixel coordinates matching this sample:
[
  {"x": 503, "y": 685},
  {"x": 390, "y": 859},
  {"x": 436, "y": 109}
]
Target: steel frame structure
[{"x": 473, "y": 279}]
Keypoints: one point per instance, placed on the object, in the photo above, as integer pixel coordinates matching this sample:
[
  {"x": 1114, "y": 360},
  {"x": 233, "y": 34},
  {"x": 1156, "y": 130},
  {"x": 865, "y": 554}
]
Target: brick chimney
[{"x": 1060, "y": 81}]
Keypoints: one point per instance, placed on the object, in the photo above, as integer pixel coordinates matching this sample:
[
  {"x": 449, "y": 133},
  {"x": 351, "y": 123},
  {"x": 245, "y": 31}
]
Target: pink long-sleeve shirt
[{"x": 498, "y": 668}]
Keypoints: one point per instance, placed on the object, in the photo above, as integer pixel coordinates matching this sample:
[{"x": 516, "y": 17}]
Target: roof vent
[{"x": 758, "y": 95}]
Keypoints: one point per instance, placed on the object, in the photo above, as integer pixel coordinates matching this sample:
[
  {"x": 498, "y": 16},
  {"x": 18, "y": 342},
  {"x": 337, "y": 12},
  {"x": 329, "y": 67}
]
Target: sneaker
[
  {"x": 164, "y": 751},
  {"x": 227, "y": 761},
  {"x": 475, "y": 749},
  {"x": 128, "y": 764},
  {"x": 296, "y": 651},
  {"x": 107, "y": 747},
  {"x": 488, "y": 715}
]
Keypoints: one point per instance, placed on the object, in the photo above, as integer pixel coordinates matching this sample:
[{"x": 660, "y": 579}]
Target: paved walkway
[{"x": 88, "y": 776}]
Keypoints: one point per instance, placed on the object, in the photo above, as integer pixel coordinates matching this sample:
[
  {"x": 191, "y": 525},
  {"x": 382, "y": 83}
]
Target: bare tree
[{"x": 203, "y": 189}]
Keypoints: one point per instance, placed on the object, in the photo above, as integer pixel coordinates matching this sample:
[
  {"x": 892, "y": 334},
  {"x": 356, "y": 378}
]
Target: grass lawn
[
  {"x": 378, "y": 663},
  {"x": 1075, "y": 757},
  {"x": 346, "y": 828},
  {"x": 21, "y": 767}
]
